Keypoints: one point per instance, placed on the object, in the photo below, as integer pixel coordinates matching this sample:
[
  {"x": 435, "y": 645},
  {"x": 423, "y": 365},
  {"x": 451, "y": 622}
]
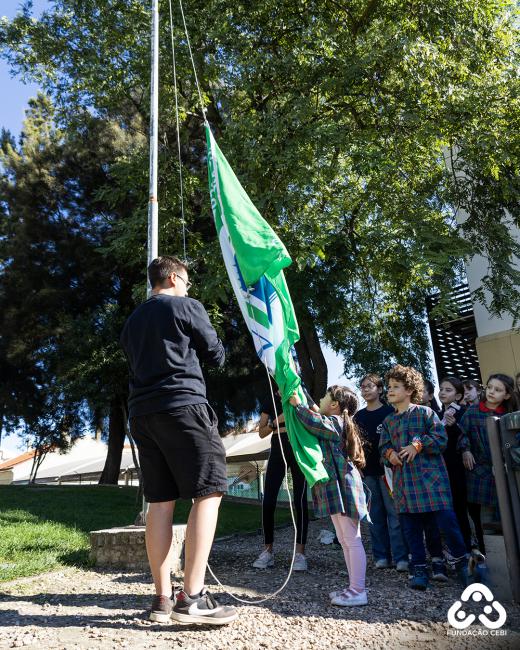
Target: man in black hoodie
[{"x": 175, "y": 429}]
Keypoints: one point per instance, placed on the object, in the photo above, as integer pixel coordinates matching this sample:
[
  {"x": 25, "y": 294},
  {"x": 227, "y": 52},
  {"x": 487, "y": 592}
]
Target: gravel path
[{"x": 104, "y": 609}]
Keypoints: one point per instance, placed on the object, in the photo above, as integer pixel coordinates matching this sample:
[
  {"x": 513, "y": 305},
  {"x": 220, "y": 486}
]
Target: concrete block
[{"x": 126, "y": 548}]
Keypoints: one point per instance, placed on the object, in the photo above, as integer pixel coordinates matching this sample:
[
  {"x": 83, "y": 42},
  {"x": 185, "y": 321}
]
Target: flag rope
[
  {"x": 304, "y": 496},
  {"x": 192, "y": 60},
  {"x": 178, "y": 132}
]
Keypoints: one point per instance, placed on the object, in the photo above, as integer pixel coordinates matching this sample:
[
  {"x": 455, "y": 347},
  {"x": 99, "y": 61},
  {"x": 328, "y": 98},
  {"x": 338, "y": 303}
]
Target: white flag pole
[{"x": 153, "y": 206}]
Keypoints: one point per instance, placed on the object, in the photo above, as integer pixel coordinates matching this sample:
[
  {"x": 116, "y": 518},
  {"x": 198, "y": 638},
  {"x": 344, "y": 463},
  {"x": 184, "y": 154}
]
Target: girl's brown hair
[
  {"x": 457, "y": 384},
  {"x": 509, "y": 384},
  {"x": 375, "y": 379},
  {"x": 468, "y": 383},
  {"x": 348, "y": 404}
]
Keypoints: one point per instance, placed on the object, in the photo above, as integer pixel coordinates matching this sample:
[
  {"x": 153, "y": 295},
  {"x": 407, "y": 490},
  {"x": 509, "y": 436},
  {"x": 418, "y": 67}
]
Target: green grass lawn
[{"x": 45, "y": 527}]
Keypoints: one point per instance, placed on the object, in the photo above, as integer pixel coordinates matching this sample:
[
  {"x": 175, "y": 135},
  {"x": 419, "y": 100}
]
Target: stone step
[{"x": 125, "y": 547}]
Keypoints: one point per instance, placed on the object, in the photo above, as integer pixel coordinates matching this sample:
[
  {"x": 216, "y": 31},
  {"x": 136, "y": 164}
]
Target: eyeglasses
[{"x": 186, "y": 282}]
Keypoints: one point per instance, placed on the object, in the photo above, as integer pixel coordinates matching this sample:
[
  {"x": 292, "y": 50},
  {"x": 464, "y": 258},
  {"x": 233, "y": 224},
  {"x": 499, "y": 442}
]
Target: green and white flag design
[{"x": 255, "y": 258}]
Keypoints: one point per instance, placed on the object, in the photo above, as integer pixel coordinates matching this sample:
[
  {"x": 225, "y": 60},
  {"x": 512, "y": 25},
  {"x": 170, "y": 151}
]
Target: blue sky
[{"x": 17, "y": 93}]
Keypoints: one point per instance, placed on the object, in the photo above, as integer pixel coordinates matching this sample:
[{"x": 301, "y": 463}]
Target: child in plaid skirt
[
  {"x": 476, "y": 454},
  {"x": 412, "y": 441},
  {"x": 342, "y": 496}
]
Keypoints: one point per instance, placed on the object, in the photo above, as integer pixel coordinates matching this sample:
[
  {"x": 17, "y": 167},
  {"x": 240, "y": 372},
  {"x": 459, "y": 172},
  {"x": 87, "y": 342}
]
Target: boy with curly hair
[{"x": 412, "y": 441}]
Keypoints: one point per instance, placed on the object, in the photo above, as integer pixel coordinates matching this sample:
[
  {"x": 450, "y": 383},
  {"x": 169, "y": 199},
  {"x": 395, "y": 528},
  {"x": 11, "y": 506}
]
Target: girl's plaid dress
[
  {"x": 480, "y": 481},
  {"x": 343, "y": 492},
  {"x": 421, "y": 485}
]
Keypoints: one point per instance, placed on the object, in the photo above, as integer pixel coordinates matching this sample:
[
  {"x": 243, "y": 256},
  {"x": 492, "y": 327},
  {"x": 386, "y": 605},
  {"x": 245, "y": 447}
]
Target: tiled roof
[{"x": 27, "y": 455}]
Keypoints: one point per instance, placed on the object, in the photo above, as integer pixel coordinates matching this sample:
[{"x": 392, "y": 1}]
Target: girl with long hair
[{"x": 342, "y": 496}]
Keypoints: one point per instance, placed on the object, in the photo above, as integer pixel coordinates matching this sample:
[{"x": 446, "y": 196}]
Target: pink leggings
[{"x": 349, "y": 535}]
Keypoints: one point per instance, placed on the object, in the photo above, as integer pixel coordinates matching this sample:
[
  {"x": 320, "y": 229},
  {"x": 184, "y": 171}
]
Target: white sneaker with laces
[
  {"x": 300, "y": 562},
  {"x": 264, "y": 560},
  {"x": 350, "y": 599}
]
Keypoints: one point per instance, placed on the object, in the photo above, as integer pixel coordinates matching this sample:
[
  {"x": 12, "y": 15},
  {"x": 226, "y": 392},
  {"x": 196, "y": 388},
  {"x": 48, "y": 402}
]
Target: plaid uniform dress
[
  {"x": 480, "y": 481},
  {"x": 343, "y": 492},
  {"x": 421, "y": 485}
]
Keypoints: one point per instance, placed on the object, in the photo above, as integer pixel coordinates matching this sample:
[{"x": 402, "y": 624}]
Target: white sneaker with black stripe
[{"x": 203, "y": 609}]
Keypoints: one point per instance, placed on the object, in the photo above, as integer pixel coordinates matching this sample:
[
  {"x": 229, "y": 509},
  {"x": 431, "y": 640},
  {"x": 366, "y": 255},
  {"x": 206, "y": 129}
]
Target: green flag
[{"x": 255, "y": 258}]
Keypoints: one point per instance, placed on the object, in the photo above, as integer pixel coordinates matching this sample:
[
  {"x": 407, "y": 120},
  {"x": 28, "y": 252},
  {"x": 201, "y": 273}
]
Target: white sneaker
[
  {"x": 402, "y": 565},
  {"x": 350, "y": 599},
  {"x": 326, "y": 536},
  {"x": 382, "y": 564},
  {"x": 264, "y": 560},
  {"x": 341, "y": 592},
  {"x": 300, "y": 562}
]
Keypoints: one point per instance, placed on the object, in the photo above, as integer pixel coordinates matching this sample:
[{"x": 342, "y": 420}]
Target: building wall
[{"x": 498, "y": 344}]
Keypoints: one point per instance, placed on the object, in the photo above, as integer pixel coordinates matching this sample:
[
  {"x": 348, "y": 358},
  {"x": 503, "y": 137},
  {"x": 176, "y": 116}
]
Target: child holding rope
[{"x": 342, "y": 496}]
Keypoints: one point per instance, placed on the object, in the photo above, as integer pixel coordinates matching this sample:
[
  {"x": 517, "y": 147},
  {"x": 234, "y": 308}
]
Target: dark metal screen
[{"x": 454, "y": 340}]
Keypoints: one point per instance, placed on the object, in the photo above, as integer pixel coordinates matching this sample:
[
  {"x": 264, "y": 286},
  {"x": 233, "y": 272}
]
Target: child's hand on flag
[{"x": 294, "y": 399}]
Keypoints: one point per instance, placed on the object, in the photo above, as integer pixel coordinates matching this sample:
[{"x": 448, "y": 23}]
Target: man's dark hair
[
  {"x": 429, "y": 386},
  {"x": 161, "y": 268}
]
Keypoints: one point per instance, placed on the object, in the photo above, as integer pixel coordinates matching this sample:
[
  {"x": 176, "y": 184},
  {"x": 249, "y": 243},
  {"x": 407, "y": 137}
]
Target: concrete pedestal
[{"x": 125, "y": 547}]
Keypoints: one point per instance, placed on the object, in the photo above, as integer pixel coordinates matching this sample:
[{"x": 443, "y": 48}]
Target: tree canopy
[{"x": 338, "y": 119}]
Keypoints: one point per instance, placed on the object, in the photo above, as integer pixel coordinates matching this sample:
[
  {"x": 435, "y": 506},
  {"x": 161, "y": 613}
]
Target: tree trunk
[
  {"x": 98, "y": 424},
  {"x": 312, "y": 362},
  {"x": 116, "y": 440},
  {"x": 39, "y": 457},
  {"x": 140, "y": 520},
  {"x": 132, "y": 443}
]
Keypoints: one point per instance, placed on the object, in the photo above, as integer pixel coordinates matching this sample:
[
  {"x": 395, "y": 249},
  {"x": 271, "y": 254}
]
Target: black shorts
[{"x": 180, "y": 453}]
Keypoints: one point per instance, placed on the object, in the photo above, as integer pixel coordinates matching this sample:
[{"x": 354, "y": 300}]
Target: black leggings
[
  {"x": 273, "y": 481},
  {"x": 474, "y": 512},
  {"x": 460, "y": 504}
]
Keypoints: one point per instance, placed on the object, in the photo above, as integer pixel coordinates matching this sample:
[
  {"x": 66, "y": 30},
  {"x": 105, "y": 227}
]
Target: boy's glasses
[{"x": 186, "y": 282}]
